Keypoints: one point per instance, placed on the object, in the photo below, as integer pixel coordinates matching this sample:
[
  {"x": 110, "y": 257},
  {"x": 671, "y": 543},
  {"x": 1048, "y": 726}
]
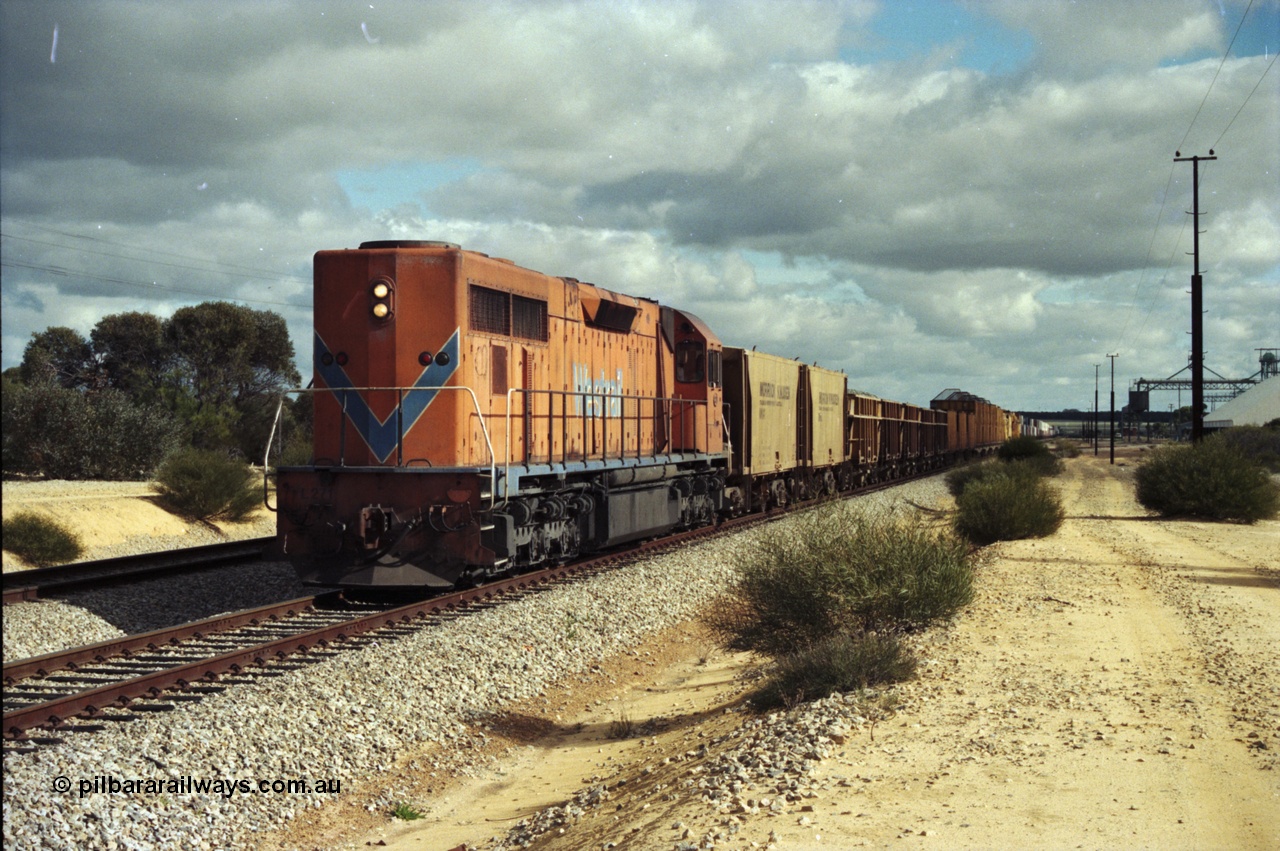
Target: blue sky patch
[
  {"x": 388, "y": 186},
  {"x": 923, "y": 30}
]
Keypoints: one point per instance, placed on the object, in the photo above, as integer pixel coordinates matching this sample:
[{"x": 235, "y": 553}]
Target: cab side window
[{"x": 690, "y": 362}]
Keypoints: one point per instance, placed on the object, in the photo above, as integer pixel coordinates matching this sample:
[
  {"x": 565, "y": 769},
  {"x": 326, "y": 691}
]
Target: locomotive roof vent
[{"x": 408, "y": 243}]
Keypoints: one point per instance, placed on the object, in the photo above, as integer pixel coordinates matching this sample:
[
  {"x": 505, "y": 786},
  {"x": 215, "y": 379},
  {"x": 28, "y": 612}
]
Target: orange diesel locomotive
[{"x": 473, "y": 418}]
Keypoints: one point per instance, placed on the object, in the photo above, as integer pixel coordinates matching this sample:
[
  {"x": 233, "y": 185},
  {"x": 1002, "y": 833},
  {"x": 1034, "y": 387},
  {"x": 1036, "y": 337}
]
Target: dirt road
[{"x": 1114, "y": 686}]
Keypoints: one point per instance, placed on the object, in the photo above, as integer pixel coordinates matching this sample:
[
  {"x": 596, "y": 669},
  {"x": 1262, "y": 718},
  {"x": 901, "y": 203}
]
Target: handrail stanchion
[
  {"x": 342, "y": 433},
  {"x": 399, "y": 428},
  {"x": 266, "y": 456}
]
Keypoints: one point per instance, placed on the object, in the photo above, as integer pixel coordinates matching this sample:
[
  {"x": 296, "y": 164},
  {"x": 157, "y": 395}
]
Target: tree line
[{"x": 115, "y": 404}]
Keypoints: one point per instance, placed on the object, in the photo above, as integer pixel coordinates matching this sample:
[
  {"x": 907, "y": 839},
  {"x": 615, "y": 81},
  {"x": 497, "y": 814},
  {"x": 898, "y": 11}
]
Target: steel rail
[
  {"x": 31, "y": 584},
  {"x": 102, "y": 650},
  {"x": 152, "y": 685},
  {"x": 54, "y": 712}
]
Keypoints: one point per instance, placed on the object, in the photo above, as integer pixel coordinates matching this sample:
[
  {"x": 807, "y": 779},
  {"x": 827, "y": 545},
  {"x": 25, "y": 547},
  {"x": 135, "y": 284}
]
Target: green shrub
[
  {"x": 129, "y": 440},
  {"x": 1015, "y": 504},
  {"x": 1211, "y": 479},
  {"x": 837, "y": 569},
  {"x": 405, "y": 812},
  {"x": 1025, "y": 446},
  {"x": 40, "y": 540},
  {"x": 1260, "y": 444},
  {"x": 207, "y": 485},
  {"x": 1067, "y": 449},
  {"x": 1024, "y": 453},
  {"x": 958, "y": 478},
  {"x": 62, "y": 433},
  {"x": 839, "y": 663},
  {"x": 1032, "y": 452}
]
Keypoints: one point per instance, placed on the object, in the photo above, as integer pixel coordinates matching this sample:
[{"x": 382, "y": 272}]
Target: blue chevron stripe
[{"x": 381, "y": 435}]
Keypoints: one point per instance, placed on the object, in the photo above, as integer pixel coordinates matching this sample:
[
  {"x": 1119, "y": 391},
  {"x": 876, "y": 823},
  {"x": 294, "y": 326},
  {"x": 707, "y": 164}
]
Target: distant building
[{"x": 1258, "y": 405}]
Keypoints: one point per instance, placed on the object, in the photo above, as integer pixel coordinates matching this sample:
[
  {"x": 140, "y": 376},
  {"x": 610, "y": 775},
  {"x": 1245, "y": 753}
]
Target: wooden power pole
[{"x": 1197, "y": 302}]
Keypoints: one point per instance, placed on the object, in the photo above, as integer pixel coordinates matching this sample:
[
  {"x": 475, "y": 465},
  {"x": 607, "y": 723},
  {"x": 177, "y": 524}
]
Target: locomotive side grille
[
  {"x": 489, "y": 310},
  {"x": 529, "y": 318},
  {"x": 498, "y": 370},
  {"x": 496, "y": 312}
]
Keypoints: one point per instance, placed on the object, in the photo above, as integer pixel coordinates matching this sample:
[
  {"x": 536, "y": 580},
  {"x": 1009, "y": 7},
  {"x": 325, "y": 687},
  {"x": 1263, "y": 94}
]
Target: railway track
[
  {"x": 80, "y": 689},
  {"x": 32, "y": 584}
]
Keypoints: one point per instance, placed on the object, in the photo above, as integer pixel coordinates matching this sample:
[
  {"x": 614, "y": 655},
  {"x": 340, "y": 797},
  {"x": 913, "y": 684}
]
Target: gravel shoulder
[
  {"x": 1113, "y": 686},
  {"x": 112, "y": 519}
]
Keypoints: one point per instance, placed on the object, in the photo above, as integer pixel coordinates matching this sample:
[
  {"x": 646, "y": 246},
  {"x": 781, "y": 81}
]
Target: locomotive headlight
[{"x": 381, "y": 295}]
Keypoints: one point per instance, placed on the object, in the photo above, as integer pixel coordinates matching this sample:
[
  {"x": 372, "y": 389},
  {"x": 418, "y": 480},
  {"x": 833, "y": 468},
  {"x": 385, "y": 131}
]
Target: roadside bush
[
  {"x": 1024, "y": 453},
  {"x": 958, "y": 478},
  {"x": 207, "y": 485},
  {"x": 840, "y": 663},
  {"x": 62, "y": 433},
  {"x": 1015, "y": 504},
  {"x": 1212, "y": 479},
  {"x": 838, "y": 570},
  {"x": 41, "y": 540},
  {"x": 128, "y": 440},
  {"x": 1067, "y": 449},
  {"x": 1032, "y": 452},
  {"x": 1260, "y": 444}
]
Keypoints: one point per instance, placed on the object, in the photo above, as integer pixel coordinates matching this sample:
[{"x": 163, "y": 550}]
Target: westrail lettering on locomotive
[{"x": 599, "y": 398}]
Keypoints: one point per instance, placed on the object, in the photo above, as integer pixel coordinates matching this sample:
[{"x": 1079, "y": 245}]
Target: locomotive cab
[{"x": 698, "y": 362}]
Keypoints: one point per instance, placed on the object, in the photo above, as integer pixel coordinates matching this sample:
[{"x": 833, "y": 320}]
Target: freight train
[{"x": 473, "y": 418}]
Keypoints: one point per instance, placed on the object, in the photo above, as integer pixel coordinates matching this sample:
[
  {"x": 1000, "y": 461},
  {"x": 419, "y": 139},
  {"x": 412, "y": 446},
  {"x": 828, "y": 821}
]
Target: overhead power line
[
  {"x": 1246, "y": 100},
  {"x": 151, "y": 285},
  {"x": 261, "y": 275},
  {"x": 1239, "y": 26},
  {"x": 1164, "y": 200},
  {"x": 234, "y": 267}
]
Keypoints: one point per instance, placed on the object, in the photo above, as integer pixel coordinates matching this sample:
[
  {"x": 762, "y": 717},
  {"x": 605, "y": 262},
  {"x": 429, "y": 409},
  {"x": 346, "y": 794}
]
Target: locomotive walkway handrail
[
  {"x": 595, "y": 407},
  {"x": 400, "y": 391}
]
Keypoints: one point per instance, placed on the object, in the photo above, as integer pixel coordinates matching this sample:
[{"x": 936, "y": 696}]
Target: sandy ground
[
  {"x": 1114, "y": 686},
  {"x": 114, "y": 518}
]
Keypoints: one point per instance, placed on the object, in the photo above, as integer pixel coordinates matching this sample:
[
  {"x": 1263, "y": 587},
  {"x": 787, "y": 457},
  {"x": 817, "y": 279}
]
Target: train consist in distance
[{"x": 474, "y": 418}]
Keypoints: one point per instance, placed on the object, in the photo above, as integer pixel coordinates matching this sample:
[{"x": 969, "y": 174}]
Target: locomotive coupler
[{"x": 375, "y": 521}]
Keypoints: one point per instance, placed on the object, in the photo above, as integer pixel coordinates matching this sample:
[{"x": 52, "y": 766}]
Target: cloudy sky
[{"x": 923, "y": 194}]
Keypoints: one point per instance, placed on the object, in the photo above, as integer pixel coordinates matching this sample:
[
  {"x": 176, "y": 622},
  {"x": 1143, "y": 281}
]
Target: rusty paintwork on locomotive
[
  {"x": 552, "y": 393},
  {"x": 439, "y": 370}
]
